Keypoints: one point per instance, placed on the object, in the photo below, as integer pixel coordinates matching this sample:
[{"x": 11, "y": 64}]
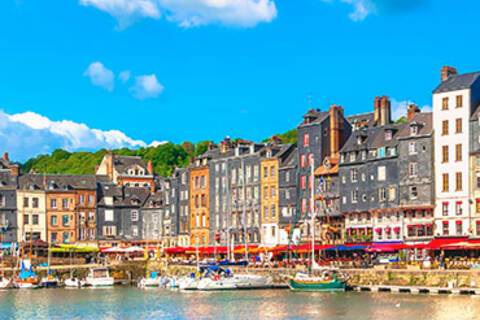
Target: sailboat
[
  {"x": 26, "y": 279},
  {"x": 50, "y": 281},
  {"x": 317, "y": 279}
]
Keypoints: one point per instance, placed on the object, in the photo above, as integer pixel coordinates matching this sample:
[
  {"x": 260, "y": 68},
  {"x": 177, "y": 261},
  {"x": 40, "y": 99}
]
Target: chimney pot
[
  {"x": 150, "y": 167},
  {"x": 411, "y": 111},
  {"x": 6, "y": 157},
  {"x": 447, "y": 72}
]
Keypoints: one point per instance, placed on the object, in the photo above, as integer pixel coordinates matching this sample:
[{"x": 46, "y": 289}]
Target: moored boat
[
  {"x": 26, "y": 279},
  {"x": 328, "y": 281},
  {"x": 49, "y": 281},
  {"x": 99, "y": 277},
  {"x": 153, "y": 281},
  {"x": 5, "y": 283},
  {"x": 73, "y": 283}
]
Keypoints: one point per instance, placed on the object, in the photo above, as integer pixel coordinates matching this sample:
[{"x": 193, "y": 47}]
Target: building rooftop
[{"x": 458, "y": 82}]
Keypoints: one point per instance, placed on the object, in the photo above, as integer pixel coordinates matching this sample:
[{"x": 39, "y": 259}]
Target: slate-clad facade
[{"x": 8, "y": 200}]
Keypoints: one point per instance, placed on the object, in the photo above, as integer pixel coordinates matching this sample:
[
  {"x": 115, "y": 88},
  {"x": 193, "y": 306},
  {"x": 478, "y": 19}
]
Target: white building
[{"x": 454, "y": 101}]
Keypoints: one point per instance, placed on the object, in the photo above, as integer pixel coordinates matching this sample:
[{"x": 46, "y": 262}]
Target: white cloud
[
  {"x": 190, "y": 13},
  {"x": 28, "y": 134},
  {"x": 363, "y": 8},
  {"x": 146, "y": 86},
  {"x": 125, "y": 76},
  {"x": 156, "y": 143},
  {"x": 100, "y": 75},
  {"x": 399, "y": 108}
]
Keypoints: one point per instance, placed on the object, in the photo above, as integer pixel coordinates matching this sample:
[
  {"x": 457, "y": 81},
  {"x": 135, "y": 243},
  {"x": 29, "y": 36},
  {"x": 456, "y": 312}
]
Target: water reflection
[{"x": 132, "y": 303}]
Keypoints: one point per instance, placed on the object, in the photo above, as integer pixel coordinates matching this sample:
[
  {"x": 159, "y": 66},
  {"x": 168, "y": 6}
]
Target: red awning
[{"x": 437, "y": 244}]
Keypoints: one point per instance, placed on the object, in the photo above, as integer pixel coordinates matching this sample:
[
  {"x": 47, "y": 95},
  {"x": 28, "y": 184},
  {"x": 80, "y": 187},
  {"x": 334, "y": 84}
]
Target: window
[
  {"x": 354, "y": 175},
  {"x": 65, "y": 220},
  {"x": 478, "y": 228},
  {"x": 53, "y": 237},
  {"x": 302, "y": 161},
  {"x": 458, "y": 125},
  {"x": 392, "y": 193},
  {"x": 458, "y": 152},
  {"x": 273, "y": 192},
  {"x": 444, "y": 127},
  {"x": 445, "y": 208},
  {"x": 35, "y": 219},
  {"x": 382, "y": 194},
  {"x": 412, "y": 148},
  {"x": 134, "y": 215},
  {"x": 265, "y": 172},
  {"x": 458, "y": 181},
  {"x": 445, "y": 228},
  {"x": 53, "y": 203},
  {"x": 413, "y": 169},
  {"x": 445, "y": 103},
  {"x": 381, "y": 152},
  {"x": 388, "y": 135},
  {"x": 109, "y": 231},
  {"x": 64, "y": 203},
  {"x": 413, "y": 130},
  {"x": 35, "y": 203},
  {"x": 354, "y": 196},
  {"x": 287, "y": 176},
  {"x": 90, "y": 199},
  {"x": 53, "y": 220},
  {"x": 477, "y": 205},
  {"x": 444, "y": 154},
  {"x": 353, "y": 156},
  {"x": 273, "y": 211},
  {"x": 109, "y": 215},
  {"x": 306, "y": 140},
  {"x": 303, "y": 182},
  {"x": 445, "y": 186},
  {"x": 272, "y": 171},
  {"x": 134, "y": 231},
  {"x": 459, "y": 101},
  {"x": 458, "y": 208},
  {"x": 381, "y": 173},
  {"x": 459, "y": 227},
  {"x": 25, "y": 202},
  {"x": 413, "y": 192},
  {"x": 81, "y": 199}
]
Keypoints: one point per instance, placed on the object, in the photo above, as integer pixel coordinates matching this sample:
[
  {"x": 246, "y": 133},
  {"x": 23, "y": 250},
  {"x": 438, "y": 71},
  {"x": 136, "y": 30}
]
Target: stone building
[
  {"x": 129, "y": 171},
  {"x": 152, "y": 214},
  {"x": 314, "y": 145},
  {"x": 235, "y": 192},
  {"x": 119, "y": 213},
  {"x": 274, "y": 221},
  {"x": 8, "y": 200},
  {"x": 31, "y": 208},
  {"x": 415, "y": 156},
  {"x": 199, "y": 196},
  {"x": 70, "y": 208},
  {"x": 455, "y": 112}
]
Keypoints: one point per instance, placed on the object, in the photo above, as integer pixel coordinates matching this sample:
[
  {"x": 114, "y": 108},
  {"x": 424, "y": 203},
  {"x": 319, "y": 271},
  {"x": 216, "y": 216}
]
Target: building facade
[
  {"x": 8, "y": 200},
  {"x": 31, "y": 208},
  {"x": 455, "y": 100},
  {"x": 199, "y": 202}
]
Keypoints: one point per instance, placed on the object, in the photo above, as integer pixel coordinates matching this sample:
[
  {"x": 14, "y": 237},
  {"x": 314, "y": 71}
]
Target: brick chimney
[
  {"x": 150, "y": 167},
  {"x": 411, "y": 111},
  {"x": 385, "y": 111},
  {"x": 336, "y": 125},
  {"x": 6, "y": 157},
  {"x": 376, "y": 110},
  {"x": 447, "y": 72},
  {"x": 225, "y": 145},
  {"x": 109, "y": 162}
]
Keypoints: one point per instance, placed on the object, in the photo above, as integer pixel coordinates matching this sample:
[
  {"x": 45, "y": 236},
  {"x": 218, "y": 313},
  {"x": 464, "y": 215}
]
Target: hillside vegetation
[{"x": 164, "y": 157}]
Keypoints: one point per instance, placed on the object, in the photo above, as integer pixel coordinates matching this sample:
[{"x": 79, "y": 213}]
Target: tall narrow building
[{"x": 455, "y": 111}]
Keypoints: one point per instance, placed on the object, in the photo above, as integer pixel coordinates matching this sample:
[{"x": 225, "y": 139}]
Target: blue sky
[{"x": 72, "y": 71}]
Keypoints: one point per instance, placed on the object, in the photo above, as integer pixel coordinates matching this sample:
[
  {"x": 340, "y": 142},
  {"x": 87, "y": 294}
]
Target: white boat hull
[{"x": 100, "y": 282}]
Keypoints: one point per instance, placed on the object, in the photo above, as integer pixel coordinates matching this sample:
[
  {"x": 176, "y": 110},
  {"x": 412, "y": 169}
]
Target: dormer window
[
  {"x": 413, "y": 130},
  {"x": 359, "y": 140},
  {"x": 388, "y": 135},
  {"x": 353, "y": 156},
  {"x": 269, "y": 153},
  {"x": 342, "y": 158}
]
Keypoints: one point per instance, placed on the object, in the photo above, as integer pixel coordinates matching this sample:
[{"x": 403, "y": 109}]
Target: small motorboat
[
  {"x": 73, "y": 283},
  {"x": 99, "y": 277},
  {"x": 154, "y": 281},
  {"x": 49, "y": 281},
  {"x": 329, "y": 280}
]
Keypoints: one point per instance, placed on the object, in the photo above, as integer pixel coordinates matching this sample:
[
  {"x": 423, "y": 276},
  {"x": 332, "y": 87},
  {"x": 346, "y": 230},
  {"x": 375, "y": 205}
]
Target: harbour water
[{"x": 133, "y": 303}]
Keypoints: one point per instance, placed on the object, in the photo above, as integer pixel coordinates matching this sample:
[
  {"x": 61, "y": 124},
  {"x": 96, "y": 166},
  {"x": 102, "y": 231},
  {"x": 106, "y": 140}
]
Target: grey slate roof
[
  {"x": 122, "y": 163},
  {"x": 316, "y": 115},
  {"x": 7, "y": 181},
  {"x": 458, "y": 82},
  {"x": 53, "y": 182}
]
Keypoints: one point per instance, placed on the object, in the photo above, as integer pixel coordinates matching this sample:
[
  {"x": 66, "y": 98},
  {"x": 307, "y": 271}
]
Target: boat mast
[{"x": 312, "y": 209}]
